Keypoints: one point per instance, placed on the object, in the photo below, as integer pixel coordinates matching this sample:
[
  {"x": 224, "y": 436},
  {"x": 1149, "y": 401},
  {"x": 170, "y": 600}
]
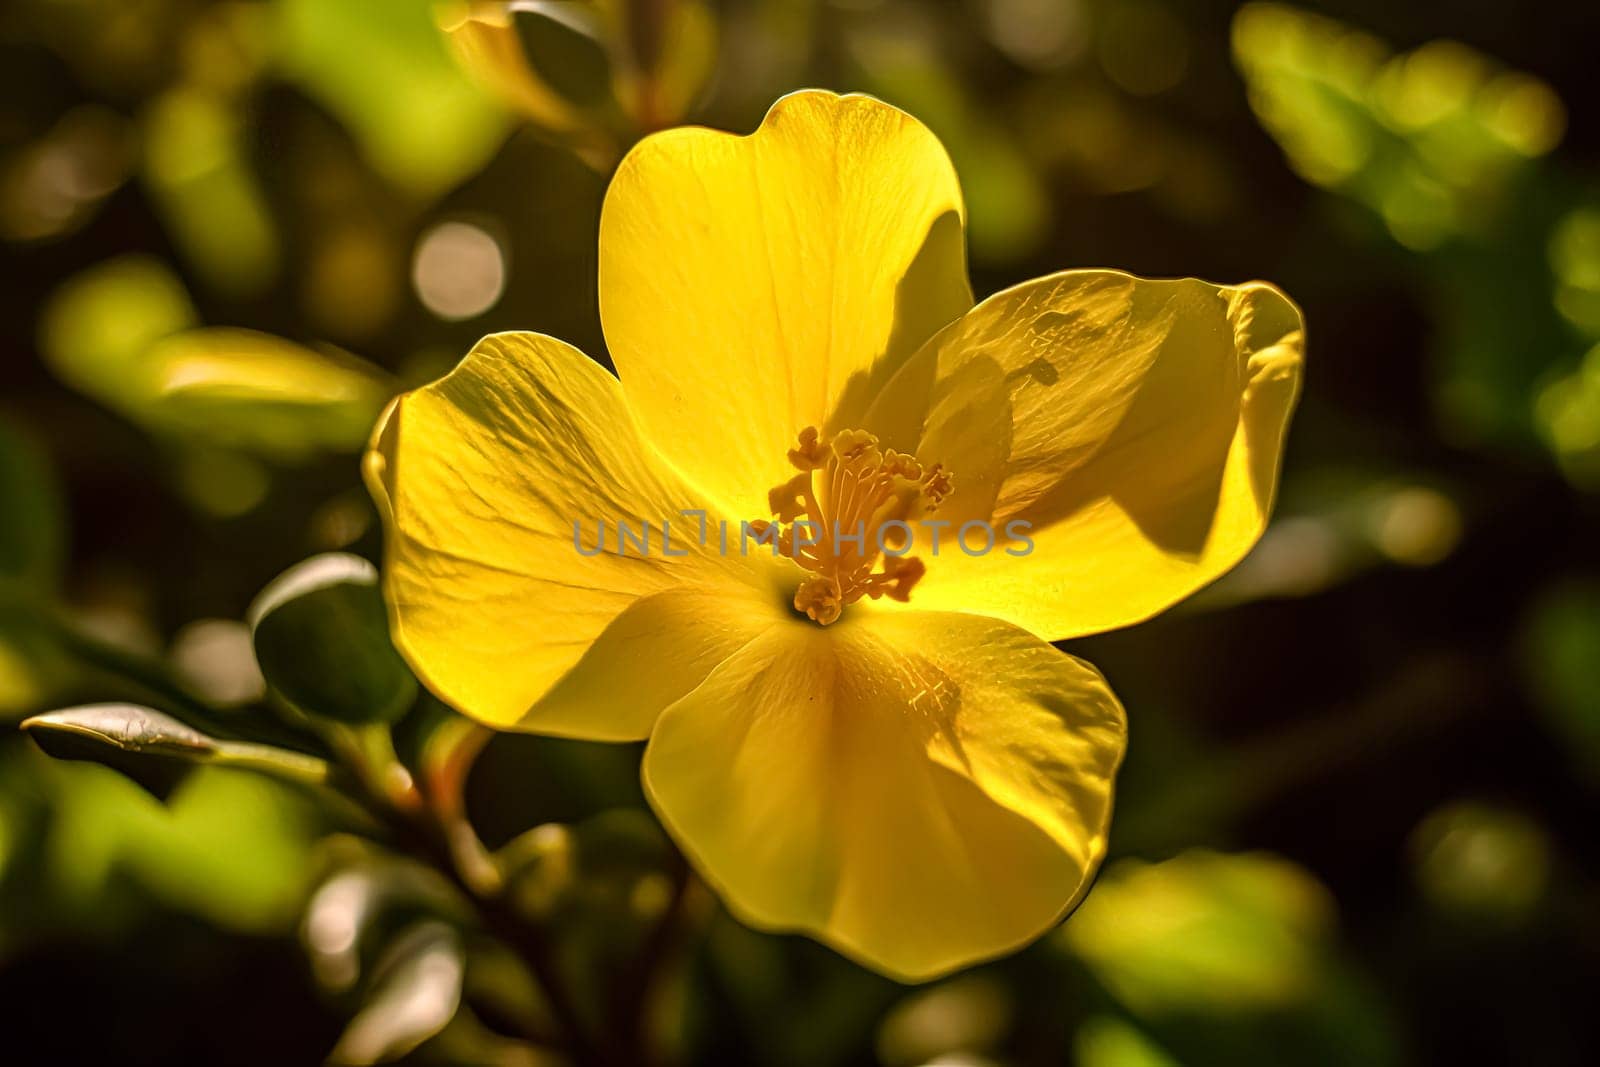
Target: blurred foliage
[
  {"x": 1483, "y": 862},
  {"x": 1442, "y": 143},
  {"x": 1356, "y": 821},
  {"x": 122, "y": 333},
  {"x": 1431, "y": 140},
  {"x": 1560, "y": 641},
  {"x": 588, "y": 73},
  {"x": 88, "y": 849},
  {"x": 1205, "y": 932},
  {"x": 381, "y": 67},
  {"x": 1228, "y": 958}
]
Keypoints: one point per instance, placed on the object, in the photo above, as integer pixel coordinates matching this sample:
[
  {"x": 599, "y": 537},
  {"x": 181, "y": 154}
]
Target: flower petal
[
  {"x": 653, "y": 653},
  {"x": 1135, "y": 426},
  {"x": 752, "y": 286},
  {"x": 481, "y": 477},
  {"x": 920, "y": 791}
]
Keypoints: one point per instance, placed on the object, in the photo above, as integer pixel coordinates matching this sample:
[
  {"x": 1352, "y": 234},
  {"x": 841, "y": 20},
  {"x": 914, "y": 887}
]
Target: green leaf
[
  {"x": 382, "y": 68},
  {"x": 1205, "y": 932},
  {"x": 1107, "y": 1041},
  {"x": 30, "y": 516},
  {"x": 98, "y": 324},
  {"x": 197, "y": 170},
  {"x": 322, "y": 640},
  {"x": 88, "y": 730},
  {"x": 1560, "y": 646},
  {"x": 229, "y": 848},
  {"x": 1428, "y": 139},
  {"x": 1224, "y": 958},
  {"x": 33, "y": 668},
  {"x": 258, "y": 393},
  {"x": 124, "y": 333},
  {"x": 152, "y": 747},
  {"x": 564, "y": 43}
]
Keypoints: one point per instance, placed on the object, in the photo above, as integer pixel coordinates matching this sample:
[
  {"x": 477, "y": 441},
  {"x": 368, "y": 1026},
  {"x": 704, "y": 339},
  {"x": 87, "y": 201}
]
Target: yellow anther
[
  {"x": 787, "y": 501},
  {"x": 905, "y": 466},
  {"x": 854, "y": 445},
  {"x": 811, "y": 453},
  {"x": 899, "y": 574},
  {"x": 820, "y": 599},
  {"x": 851, "y": 496}
]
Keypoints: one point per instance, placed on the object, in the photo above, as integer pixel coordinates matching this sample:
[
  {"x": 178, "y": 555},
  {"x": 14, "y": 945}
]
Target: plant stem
[
  {"x": 637, "y": 991},
  {"x": 432, "y": 832}
]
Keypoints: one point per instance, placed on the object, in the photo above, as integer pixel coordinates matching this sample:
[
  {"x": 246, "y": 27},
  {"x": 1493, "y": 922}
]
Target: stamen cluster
[{"x": 832, "y": 519}]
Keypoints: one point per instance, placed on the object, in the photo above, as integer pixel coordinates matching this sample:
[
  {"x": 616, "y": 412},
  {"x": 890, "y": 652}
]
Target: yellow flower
[{"x": 877, "y": 748}]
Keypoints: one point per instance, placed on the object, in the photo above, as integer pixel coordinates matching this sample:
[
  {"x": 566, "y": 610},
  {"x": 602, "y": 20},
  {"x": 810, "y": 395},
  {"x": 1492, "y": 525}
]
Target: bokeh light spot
[
  {"x": 216, "y": 658},
  {"x": 1481, "y": 861},
  {"x": 1416, "y": 525},
  {"x": 459, "y": 271},
  {"x": 1037, "y": 33}
]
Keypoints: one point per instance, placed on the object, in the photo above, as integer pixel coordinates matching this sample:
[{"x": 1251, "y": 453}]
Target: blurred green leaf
[
  {"x": 122, "y": 333},
  {"x": 322, "y": 639},
  {"x": 1335, "y": 523},
  {"x": 1575, "y": 261},
  {"x": 382, "y": 68},
  {"x": 211, "y": 201},
  {"x": 1227, "y": 958},
  {"x": 31, "y": 519},
  {"x": 230, "y": 848},
  {"x": 98, "y": 324},
  {"x": 1443, "y": 144},
  {"x": 253, "y": 391},
  {"x": 415, "y": 994},
  {"x": 1560, "y": 647},
  {"x": 564, "y": 41},
  {"x": 1106, "y": 1041},
  {"x": 1429, "y": 139},
  {"x": 32, "y": 667},
  {"x": 1567, "y": 413},
  {"x": 1482, "y": 863},
  {"x": 234, "y": 849},
  {"x": 1205, "y": 932},
  {"x": 32, "y": 538}
]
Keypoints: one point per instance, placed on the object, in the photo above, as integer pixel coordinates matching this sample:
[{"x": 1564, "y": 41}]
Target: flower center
[{"x": 846, "y": 519}]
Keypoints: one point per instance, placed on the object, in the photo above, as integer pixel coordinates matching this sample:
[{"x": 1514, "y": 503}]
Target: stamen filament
[{"x": 864, "y": 488}]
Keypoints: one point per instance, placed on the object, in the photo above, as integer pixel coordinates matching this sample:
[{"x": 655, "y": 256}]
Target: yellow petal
[
  {"x": 752, "y": 286},
  {"x": 1132, "y": 429},
  {"x": 919, "y": 791},
  {"x": 650, "y": 655},
  {"x": 480, "y": 477}
]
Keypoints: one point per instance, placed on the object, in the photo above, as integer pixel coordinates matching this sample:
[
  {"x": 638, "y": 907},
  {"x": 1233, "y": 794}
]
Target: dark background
[{"x": 1398, "y": 695}]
